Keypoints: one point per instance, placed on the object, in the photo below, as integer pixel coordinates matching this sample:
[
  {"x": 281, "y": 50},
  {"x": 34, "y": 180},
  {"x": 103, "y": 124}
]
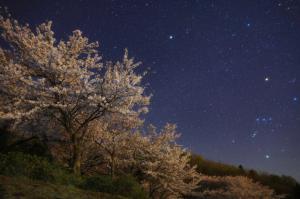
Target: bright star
[
  {"x": 295, "y": 99},
  {"x": 171, "y": 37},
  {"x": 248, "y": 24},
  {"x": 267, "y": 156},
  {"x": 267, "y": 79}
]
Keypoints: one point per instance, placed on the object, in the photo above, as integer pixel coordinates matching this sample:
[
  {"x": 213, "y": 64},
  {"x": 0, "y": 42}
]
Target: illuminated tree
[
  {"x": 154, "y": 158},
  {"x": 165, "y": 164},
  {"x": 113, "y": 139},
  {"x": 65, "y": 80},
  {"x": 232, "y": 187}
]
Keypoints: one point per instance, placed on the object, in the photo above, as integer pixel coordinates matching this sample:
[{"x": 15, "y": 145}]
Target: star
[
  {"x": 254, "y": 134},
  {"x": 267, "y": 156},
  {"x": 171, "y": 37},
  {"x": 295, "y": 99},
  {"x": 248, "y": 25},
  {"x": 264, "y": 119},
  {"x": 270, "y": 119},
  {"x": 233, "y": 141},
  {"x": 267, "y": 79}
]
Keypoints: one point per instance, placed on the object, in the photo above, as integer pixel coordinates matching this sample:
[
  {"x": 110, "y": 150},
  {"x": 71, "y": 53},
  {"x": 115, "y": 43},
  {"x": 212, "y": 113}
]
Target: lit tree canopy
[
  {"x": 65, "y": 79},
  {"x": 232, "y": 187},
  {"x": 165, "y": 164}
]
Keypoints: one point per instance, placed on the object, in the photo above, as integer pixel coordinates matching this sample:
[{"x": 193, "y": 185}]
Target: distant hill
[{"x": 281, "y": 184}]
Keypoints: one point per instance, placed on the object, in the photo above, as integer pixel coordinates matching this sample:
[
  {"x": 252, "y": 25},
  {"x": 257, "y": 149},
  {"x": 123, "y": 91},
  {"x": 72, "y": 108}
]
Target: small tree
[
  {"x": 165, "y": 164},
  {"x": 114, "y": 141},
  {"x": 65, "y": 80}
]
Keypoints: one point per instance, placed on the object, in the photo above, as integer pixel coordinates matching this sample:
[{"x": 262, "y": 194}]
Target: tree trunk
[
  {"x": 76, "y": 162},
  {"x": 76, "y": 159},
  {"x": 152, "y": 190},
  {"x": 112, "y": 167}
]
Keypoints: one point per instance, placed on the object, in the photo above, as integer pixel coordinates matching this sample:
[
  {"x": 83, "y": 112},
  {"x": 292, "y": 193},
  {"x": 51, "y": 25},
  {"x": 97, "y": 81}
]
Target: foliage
[
  {"x": 154, "y": 158},
  {"x": 65, "y": 88},
  {"x": 110, "y": 143},
  {"x": 12, "y": 142},
  {"x": 164, "y": 165},
  {"x": 18, "y": 187},
  {"x": 208, "y": 167},
  {"x": 34, "y": 167},
  {"x": 230, "y": 187},
  {"x": 38, "y": 168},
  {"x": 281, "y": 184},
  {"x": 123, "y": 185},
  {"x": 129, "y": 187},
  {"x": 64, "y": 81},
  {"x": 98, "y": 183}
]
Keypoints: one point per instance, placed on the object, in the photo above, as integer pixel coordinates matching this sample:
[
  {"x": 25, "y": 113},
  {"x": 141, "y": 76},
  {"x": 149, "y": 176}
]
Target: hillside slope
[
  {"x": 281, "y": 184},
  {"x": 22, "y": 188}
]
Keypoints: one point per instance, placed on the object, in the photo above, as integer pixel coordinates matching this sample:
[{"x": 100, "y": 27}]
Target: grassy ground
[{"x": 22, "y": 188}]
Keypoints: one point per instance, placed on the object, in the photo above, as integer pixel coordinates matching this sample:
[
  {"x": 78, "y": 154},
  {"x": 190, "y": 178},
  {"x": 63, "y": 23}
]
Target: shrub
[
  {"x": 35, "y": 167},
  {"x": 19, "y": 164},
  {"x": 98, "y": 183},
  {"x": 124, "y": 185},
  {"x": 39, "y": 168},
  {"x": 66, "y": 177},
  {"x": 128, "y": 186}
]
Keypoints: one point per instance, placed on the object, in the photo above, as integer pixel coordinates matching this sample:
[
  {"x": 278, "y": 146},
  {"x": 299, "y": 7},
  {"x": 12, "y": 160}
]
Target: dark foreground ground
[{"x": 19, "y": 188}]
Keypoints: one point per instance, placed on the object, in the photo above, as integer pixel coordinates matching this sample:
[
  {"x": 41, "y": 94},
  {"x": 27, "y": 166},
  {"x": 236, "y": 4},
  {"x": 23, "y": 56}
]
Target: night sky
[{"x": 226, "y": 72}]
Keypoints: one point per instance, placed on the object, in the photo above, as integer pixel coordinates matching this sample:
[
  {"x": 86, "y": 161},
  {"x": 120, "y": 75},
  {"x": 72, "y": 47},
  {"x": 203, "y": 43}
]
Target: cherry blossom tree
[
  {"x": 65, "y": 80},
  {"x": 114, "y": 138},
  {"x": 165, "y": 164},
  {"x": 160, "y": 164},
  {"x": 232, "y": 187}
]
